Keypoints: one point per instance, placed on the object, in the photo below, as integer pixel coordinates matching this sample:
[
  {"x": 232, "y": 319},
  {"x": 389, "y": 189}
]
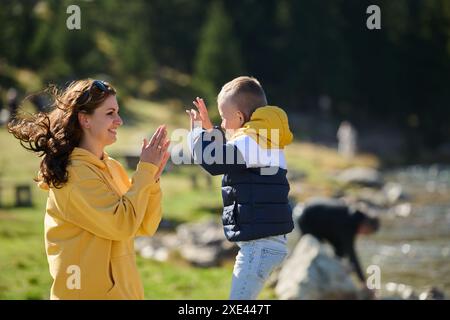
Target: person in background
[
  {"x": 12, "y": 97},
  {"x": 335, "y": 222}
]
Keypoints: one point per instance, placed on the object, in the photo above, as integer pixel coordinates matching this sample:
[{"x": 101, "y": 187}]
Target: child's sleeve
[{"x": 210, "y": 150}]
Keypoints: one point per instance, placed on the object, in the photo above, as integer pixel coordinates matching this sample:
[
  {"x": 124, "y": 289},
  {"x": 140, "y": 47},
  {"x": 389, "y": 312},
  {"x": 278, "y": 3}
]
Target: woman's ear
[{"x": 83, "y": 120}]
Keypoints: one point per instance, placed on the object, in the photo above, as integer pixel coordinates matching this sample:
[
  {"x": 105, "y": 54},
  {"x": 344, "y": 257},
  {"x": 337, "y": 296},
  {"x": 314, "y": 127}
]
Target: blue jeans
[{"x": 254, "y": 263}]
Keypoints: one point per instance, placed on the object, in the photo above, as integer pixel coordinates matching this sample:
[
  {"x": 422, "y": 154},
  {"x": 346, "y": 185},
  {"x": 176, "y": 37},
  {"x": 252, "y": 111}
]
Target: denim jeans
[{"x": 254, "y": 263}]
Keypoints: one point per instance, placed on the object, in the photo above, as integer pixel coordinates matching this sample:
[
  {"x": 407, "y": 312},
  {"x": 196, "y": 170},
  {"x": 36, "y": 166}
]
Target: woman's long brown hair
[{"x": 53, "y": 135}]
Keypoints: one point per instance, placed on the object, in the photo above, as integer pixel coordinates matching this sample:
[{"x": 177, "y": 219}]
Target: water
[{"x": 413, "y": 245}]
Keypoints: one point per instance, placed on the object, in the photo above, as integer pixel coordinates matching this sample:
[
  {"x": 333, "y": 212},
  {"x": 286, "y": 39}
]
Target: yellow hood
[
  {"x": 78, "y": 154},
  {"x": 261, "y": 124}
]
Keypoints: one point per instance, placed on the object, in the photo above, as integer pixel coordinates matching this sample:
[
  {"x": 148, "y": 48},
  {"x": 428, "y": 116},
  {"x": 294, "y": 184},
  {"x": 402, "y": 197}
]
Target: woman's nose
[{"x": 119, "y": 120}]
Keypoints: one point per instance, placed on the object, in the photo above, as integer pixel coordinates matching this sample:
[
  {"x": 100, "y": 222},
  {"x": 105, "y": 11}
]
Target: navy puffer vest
[{"x": 255, "y": 206}]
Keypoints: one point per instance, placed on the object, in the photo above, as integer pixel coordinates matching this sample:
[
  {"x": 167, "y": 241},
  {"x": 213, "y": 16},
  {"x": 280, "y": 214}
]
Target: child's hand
[
  {"x": 201, "y": 107},
  {"x": 195, "y": 118},
  {"x": 155, "y": 150}
]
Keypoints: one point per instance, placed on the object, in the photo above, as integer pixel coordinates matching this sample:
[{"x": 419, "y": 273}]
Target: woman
[{"x": 93, "y": 210}]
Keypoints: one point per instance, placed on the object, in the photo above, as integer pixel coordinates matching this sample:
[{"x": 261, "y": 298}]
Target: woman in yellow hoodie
[{"x": 93, "y": 210}]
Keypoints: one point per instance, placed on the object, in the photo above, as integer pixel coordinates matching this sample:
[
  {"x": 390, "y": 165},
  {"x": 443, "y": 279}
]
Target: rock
[
  {"x": 158, "y": 254},
  {"x": 399, "y": 291},
  {"x": 371, "y": 198},
  {"x": 363, "y": 176},
  {"x": 432, "y": 294},
  {"x": 294, "y": 175},
  {"x": 203, "y": 244},
  {"x": 140, "y": 243},
  {"x": 205, "y": 255},
  {"x": 201, "y": 233},
  {"x": 157, "y": 247},
  {"x": 313, "y": 272},
  {"x": 394, "y": 192},
  {"x": 409, "y": 294},
  {"x": 402, "y": 210}
]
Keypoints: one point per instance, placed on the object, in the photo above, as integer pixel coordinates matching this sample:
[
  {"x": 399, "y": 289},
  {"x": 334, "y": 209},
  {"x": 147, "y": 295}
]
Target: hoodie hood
[
  {"x": 261, "y": 125},
  {"x": 82, "y": 155},
  {"x": 40, "y": 182}
]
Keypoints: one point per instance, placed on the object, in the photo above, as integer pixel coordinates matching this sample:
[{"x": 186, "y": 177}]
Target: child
[{"x": 256, "y": 213}]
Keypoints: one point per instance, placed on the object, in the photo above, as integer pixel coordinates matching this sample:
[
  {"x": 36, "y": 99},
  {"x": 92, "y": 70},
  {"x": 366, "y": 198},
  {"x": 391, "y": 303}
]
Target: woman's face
[{"x": 101, "y": 126}]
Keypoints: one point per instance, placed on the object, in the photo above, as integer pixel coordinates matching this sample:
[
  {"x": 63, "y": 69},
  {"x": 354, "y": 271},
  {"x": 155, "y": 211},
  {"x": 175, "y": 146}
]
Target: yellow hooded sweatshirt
[
  {"x": 269, "y": 127},
  {"x": 90, "y": 225}
]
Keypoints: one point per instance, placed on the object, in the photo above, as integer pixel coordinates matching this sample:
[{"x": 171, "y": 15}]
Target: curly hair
[{"x": 53, "y": 135}]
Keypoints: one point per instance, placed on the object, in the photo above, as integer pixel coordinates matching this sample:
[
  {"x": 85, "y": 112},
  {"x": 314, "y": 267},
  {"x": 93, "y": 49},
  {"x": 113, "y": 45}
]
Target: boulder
[
  {"x": 362, "y": 176},
  {"x": 402, "y": 210},
  {"x": 432, "y": 294},
  {"x": 399, "y": 291},
  {"x": 394, "y": 192},
  {"x": 313, "y": 272},
  {"x": 295, "y": 175},
  {"x": 157, "y": 247},
  {"x": 203, "y": 244}
]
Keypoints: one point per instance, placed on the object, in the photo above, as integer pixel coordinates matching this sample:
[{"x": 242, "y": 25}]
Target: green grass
[
  {"x": 180, "y": 281},
  {"x": 24, "y": 270},
  {"x": 23, "y": 266}
]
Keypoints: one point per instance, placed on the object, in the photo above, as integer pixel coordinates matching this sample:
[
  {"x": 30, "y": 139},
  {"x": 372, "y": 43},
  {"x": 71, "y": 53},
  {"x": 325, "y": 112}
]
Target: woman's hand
[
  {"x": 155, "y": 151},
  {"x": 162, "y": 165}
]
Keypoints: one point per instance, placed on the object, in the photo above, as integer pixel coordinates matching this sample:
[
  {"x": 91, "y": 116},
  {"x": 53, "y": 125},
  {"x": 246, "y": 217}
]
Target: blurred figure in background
[
  {"x": 38, "y": 102},
  {"x": 12, "y": 101},
  {"x": 1, "y": 98},
  {"x": 347, "y": 140},
  {"x": 336, "y": 223},
  {"x": 4, "y": 114}
]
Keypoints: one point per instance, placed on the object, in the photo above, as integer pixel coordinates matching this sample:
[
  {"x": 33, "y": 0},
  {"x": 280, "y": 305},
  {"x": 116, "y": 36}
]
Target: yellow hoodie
[
  {"x": 90, "y": 225},
  {"x": 262, "y": 125}
]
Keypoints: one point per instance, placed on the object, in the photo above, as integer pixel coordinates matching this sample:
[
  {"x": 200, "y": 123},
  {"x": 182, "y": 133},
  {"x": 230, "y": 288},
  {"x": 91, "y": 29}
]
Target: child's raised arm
[{"x": 203, "y": 112}]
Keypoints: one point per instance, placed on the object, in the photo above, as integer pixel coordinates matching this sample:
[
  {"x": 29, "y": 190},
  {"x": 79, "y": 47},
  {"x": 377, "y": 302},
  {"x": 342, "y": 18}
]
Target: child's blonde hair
[{"x": 246, "y": 93}]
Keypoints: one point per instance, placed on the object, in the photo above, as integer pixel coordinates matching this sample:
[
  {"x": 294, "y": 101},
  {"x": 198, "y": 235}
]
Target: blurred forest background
[{"x": 316, "y": 58}]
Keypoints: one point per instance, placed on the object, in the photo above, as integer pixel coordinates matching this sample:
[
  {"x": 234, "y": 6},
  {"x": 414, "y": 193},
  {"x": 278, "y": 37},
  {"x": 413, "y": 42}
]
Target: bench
[{"x": 23, "y": 196}]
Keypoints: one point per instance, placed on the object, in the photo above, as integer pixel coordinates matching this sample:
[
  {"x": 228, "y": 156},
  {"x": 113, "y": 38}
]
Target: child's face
[{"x": 232, "y": 118}]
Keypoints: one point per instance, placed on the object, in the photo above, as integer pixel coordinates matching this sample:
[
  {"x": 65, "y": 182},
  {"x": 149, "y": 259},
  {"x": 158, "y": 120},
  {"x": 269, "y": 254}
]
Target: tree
[{"x": 218, "y": 59}]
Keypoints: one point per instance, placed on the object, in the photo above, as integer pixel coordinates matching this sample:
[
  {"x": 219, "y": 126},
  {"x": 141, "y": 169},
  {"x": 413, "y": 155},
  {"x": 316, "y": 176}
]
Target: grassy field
[{"x": 23, "y": 265}]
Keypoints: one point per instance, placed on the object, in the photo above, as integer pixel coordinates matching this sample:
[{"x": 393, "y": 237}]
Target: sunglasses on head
[{"x": 97, "y": 84}]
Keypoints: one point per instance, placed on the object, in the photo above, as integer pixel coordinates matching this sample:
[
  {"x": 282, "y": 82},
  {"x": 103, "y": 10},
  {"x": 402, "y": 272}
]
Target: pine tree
[{"x": 218, "y": 58}]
